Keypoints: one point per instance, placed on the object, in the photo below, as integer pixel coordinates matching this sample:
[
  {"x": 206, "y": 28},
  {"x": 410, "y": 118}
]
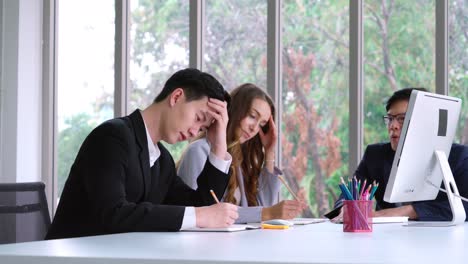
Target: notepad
[{"x": 231, "y": 228}]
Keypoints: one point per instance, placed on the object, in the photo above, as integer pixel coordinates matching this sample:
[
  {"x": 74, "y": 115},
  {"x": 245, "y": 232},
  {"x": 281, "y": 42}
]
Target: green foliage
[
  {"x": 408, "y": 41},
  {"x": 69, "y": 142},
  {"x": 159, "y": 30},
  {"x": 398, "y": 55},
  {"x": 458, "y": 63},
  {"x": 319, "y": 30},
  {"x": 154, "y": 23},
  {"x": 235, "y": 43}
]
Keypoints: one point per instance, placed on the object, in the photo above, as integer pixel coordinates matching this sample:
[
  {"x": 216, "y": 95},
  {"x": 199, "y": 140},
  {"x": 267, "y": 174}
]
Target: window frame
[{"x": 197, "y": 22}]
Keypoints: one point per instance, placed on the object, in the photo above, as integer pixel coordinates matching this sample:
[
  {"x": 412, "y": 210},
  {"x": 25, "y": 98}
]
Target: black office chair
[{"x": 24, "y": 215}]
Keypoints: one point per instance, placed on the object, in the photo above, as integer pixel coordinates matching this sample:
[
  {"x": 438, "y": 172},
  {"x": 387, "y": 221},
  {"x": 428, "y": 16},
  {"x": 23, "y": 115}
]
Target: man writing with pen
[
  {"x": 124, "y": 180},
  {"x": 377, "y": 162}
]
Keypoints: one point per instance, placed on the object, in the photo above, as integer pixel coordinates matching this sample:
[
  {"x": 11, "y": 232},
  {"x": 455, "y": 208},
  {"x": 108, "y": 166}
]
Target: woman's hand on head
[{"x": 270, "y": 137}]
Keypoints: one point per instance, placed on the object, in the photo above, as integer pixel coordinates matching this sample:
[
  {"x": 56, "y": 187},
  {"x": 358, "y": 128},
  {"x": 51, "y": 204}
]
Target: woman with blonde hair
[{"x": 251, "y": 139}]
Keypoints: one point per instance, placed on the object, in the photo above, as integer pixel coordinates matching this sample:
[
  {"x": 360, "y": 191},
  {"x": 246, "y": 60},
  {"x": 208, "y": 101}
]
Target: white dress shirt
[{"x": 189, "y": 219}]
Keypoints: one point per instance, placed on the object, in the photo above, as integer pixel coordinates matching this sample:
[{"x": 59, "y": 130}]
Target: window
[
  {"x": 399, "y": 44},
  {"x": 159, "y": 36},
  {"x": 235, "y": 43},
  {"x": 85, "y": 75},
  {"x": 399, "y": 50},
  {"x": 458, "y": 63},
  {"x": 314, "y": 133}
]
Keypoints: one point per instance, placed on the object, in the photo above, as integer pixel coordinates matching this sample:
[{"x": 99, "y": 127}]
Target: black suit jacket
[
  {"x": 111, "y": 187},
  {"x": 376, "y": 164}
]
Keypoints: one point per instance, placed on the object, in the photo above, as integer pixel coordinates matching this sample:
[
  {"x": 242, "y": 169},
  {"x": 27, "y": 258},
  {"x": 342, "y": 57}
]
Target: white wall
[{"x": 20, "y": 153}]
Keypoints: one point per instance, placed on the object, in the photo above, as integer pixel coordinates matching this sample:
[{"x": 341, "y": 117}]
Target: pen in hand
[{"x": 214, "y": 196}]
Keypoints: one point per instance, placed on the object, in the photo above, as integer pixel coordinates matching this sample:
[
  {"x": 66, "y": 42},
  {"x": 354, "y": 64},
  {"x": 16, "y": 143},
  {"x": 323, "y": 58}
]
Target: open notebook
[{"x": 231, "y": 228}]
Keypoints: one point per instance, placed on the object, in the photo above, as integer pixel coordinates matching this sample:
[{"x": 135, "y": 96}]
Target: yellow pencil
[
  {"x": 287, "y": 187},
  {"x": 214, "y": 196}
]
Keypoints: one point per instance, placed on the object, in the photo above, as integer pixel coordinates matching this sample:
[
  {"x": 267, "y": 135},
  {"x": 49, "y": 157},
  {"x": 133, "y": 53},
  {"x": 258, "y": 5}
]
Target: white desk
[{"x": 317, "y": 243}]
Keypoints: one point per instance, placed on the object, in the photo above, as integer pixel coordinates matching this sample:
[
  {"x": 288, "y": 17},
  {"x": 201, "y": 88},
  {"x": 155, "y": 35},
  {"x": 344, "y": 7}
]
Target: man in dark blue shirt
[{"x": 376, "y": 165}]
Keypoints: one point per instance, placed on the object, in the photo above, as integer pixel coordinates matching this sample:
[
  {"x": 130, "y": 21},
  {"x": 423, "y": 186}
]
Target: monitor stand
[{"x": 458, "y": 211}]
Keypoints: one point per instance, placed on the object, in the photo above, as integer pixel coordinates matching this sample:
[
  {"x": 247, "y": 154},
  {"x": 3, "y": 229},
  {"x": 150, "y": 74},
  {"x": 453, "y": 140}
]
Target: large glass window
[
  {"x": 85, "y": 75},
  {"x": 314, "y": 138},
  {"x": 159, "y": 36},
  {"x": 399, "y": 48},
  {"x": 235, "y": 42},
  {"x": 458, "y": 62},
  {"x": 399, "y": 45}
]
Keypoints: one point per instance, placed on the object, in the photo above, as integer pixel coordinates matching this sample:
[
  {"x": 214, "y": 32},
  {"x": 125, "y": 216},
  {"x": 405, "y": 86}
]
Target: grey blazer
[{"x": 192, "y": 162}]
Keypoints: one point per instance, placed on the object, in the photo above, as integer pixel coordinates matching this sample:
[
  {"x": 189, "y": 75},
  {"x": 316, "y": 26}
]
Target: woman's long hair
[{"x": 249, "y": 156}]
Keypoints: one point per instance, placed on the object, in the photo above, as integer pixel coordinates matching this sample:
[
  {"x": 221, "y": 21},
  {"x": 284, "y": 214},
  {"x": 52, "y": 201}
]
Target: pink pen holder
[{"x": 357, "y": 216}]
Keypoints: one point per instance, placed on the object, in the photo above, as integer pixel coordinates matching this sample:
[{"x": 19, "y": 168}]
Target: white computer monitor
[{"x": 420, "y": 163}]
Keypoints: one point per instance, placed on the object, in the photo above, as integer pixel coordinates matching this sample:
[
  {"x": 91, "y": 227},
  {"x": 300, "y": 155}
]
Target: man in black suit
[
  {"x": 376, "y": 165},
  {"x": 124, "y": 180}
]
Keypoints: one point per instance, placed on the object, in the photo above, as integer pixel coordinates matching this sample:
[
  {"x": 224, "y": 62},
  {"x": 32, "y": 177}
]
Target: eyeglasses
[{"x": 388, "y": 119}]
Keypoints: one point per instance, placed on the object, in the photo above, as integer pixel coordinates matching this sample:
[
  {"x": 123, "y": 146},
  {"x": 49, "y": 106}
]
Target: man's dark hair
[
  {"x": 401, "y": 95},
  {"x": 196, "y": 85}
]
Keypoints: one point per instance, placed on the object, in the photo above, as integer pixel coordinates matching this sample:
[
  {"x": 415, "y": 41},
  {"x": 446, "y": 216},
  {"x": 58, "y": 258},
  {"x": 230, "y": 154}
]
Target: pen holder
[{"x": 357, "y": 216}]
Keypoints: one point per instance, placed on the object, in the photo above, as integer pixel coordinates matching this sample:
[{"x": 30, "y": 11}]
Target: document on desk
[
  {"x": 231, "y": 228},
  {"x": 292, "y": 222},
  {"x": 383, "y": 220},
  {"x": 307, "y": 221},
  {"x": 389, "y": 219}
]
